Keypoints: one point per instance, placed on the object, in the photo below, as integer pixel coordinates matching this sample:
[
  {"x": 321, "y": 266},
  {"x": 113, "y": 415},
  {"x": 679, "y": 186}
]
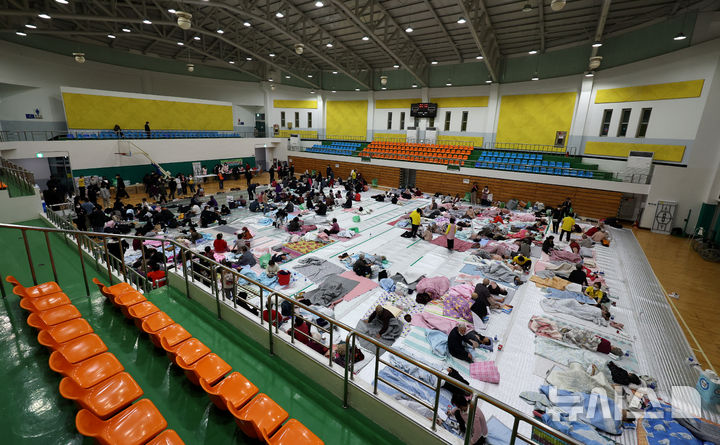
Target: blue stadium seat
[
  {"x": 515, "y": 168},
  {"x": 544, "y": 163},
  {"x": 573, "y": 172},
  {"x": 536, "y": 169},
  {"x": 543, "y": 170},
  {"x": 566, "y": 164},
  {"x": 588, "y": 174}
]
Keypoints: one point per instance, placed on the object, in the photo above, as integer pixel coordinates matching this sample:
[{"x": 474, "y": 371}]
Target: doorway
[
  {"x": 260, "y": 158},
  {"x": 260, "y": 125},
  {"x": 407, "y": 177},
  {"x": 60, "y": 169}
]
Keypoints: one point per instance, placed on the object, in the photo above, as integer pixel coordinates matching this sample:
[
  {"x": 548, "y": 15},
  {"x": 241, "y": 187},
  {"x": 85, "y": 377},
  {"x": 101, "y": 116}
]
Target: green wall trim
[{"x": 135, "y": 173}]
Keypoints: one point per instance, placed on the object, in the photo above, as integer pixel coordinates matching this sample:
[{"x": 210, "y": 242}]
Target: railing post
[
  {"x": 471, "y": 419},
  {"x": 346, "y": 381},
  {"x": 122, "y": 259},
  {"x": 27, "y": 250},
  {"x": 437, "y": 403},
  {"x": 184, "y": 261},
  {"x": 270, "y": 325},
  {"x": 332, "y": 329},
  {"x": 52, "y": 260},
  {"x": 107, "y": 261},
  {"x": 144, "y": 264},
  {"x": 213, "y": 277},
  {"x": 82, "y": 265},
  {"x": 377, "y": 366},
  {"x": 513, "y": 435}
]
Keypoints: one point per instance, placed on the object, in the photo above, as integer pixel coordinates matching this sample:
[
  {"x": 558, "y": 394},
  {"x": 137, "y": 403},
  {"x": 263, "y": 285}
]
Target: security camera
[
  {"x": 299, "y": 48},
  {"x": 595, "y": 62},
  {"x": 79, "y": 57},
  {"x": 383, "y": 80},
  {"x": 190, "y": 67},
  {"x": 184, "y": 19}
]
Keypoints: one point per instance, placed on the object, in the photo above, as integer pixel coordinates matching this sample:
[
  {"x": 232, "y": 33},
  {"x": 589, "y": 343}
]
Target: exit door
[{"x": 407, "y": 178}]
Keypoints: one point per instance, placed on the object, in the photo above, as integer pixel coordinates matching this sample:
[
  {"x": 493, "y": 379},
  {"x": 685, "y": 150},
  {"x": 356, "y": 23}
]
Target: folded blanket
[{"x": 333, "y": 288}]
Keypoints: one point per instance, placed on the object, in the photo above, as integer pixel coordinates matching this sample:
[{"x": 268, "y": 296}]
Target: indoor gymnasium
[{"x": 360, "y": 222}]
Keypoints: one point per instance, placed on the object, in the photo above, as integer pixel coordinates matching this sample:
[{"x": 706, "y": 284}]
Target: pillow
[{"x": 485, "y": 371}]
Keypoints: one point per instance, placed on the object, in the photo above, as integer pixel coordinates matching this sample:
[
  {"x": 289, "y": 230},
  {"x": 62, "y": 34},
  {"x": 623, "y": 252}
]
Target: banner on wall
[
  {"x": 237, "y": 162},
  {"x": 197, "y": 169}
]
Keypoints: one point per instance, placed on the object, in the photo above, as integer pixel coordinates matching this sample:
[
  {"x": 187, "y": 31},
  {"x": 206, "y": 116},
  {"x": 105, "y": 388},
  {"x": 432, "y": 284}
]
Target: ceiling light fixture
[
  {"x": 231, "y": 62},
  {"x": 383, "y": 80},
  {"x": 319, "y": 4},
  {"x": 30, "y": 26},
  {"x": 220, "y": 31},
  {"x": 409, "y": 29},
  {"x": 287, "y": 76},
  {"x": 126, "y": 30},
  {"x": 334, "y": 72},
  {"x": 488, "y": 81},
  {"x": 589, "y": 73},
  {"x": 110, "y": 36},
  {"x": 383, "y": 88},
  {"x": 434, "y": 62},
  {"x": 279, "y": 14},
  {"x": 527, "y": 7},
  {"x": 329, "y": 45},
  {"x": 535, "y": 77},
  {"x": 680, "y": 36},
  {"x": 461, "y": 20},
  {"x": 271, "y": 80},
  {"x": 396, "y": 66},
  {"x": 248, "y": 59},
  {"x": 62, "y": 2},
  {"x": 365, "y": 38},
  {"x": 334, "y": 91},
  {"x": 147, "y": 22},
  {"x": 532, "y": 52},
  {"x": 557, "y": 5},
  {"x": 190, "y": 67},
  {"x": 357, "y": 89},
  {"x": 597, "y": 44},
  {"x": 44, "y": 16},
  {"x": 247, "y": 24},
  {"x": 184, "y": 19},
  {"x": 21, "y": 34},
  {"x": 309, "y": 75},
  {"x": 449, "y": 84},
  {"x": 181, "y": 44},
  {"x": 271, "y": 54},
  {"x": 312, "y": 91},
  {"x": 196, "y": 38},
  {"x": 479, "y": 57},
  {"x": 172, "y": 11},
  {"x": 414, "y": 85}
]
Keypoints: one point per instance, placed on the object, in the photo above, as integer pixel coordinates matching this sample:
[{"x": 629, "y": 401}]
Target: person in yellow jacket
[
  {"x": 450, "y": 234},
  {"x": 523, "y": 261},
  {"x": 415, "y": 222},
  {"x": 81, "y": 187},
  {"x": 595, "y": 292},
  {"x": 567, "y": 225}
]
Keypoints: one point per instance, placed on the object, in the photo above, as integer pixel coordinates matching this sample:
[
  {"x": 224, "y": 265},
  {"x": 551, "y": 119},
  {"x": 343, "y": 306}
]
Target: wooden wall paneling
[{"x": 386, "y": 176}]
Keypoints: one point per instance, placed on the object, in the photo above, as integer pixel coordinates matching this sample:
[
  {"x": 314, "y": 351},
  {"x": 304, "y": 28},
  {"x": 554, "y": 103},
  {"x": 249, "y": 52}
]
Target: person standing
[
  {"x": 81, "y": 187},
  {"x": 105, "y": 195},
  {"x": 450, "y": 234},
  {"x": 147, "y": 129},
  {"x": 248, "y": 175},
  {"x": 172, "y": 186},
  {"x": 567, "y": 226},
  {"x": 474, "y": 193},
  {"x": 414, "y": 222},
  {"x": 272, "y": 173},
  {"x": 484, "y": 197},
  {"x": 557, "y": 214},
  {"x": 120, "y": 187},
  {"x": 292, "y": 171}
]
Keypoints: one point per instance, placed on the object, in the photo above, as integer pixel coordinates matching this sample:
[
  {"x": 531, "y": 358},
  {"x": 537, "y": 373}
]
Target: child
[{"x": 450, "y": 234}]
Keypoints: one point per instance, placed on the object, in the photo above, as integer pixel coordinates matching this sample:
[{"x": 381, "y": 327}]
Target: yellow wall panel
[
  {"x": 476, "y": 141},
  {"x": 395, "y": 103},
  {"x": 304, "y": 134},
  {"x": 660, "y": 91},
  {"x": 461, "y": 102},
  {"x": 389, "y": 137},
  {"x": 295, "y": 104},
  {"x": 534, "y": 118},
  {"x": 670, "y": 153},
  {"x": 347, "y": 118},
  {"x": 86, "y": 111}
]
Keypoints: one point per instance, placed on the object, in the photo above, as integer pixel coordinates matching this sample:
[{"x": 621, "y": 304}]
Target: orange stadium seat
[
  {"x": 135, "y": 425},
  {"x": 45, "y": 302},
  {"x": 167, "y": 437},
  {"x": 188, "y": 351},
  {"x": 292, "y": 433},
  {"x": 260, "y": 414},
  {"x": 33, "y": 292},
  {"x": 211, "y": 368},
  {"x": 89, "y": 372},
  {"x": 107, "y": 397},
  {"x": 234, "y": 390}
]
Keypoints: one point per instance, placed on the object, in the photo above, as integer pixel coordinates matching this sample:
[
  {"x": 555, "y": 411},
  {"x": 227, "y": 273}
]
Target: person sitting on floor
[
  {"x": 272, "y": 269},
  {"x": 271, "y": 314},
  {"x": 523, "y": 262},
  {"x": 524, "y": 247},
  {"x": 362, "y": 268},
  {"x": 459, "y": 337},
  {"x": 383, "y": 316},
  {"x": 586, "y": 241},
  {"x": 334, "y": 228},
  {"x": 461, "y": 413},
  {"x": 348, "y": 201},
  {"x": 295, "y": 225},
  {"x": 596, "y": 293},
  {"x": 549, "y": 244},
  {"x": 321, "y": 208},
  {"x": 482, "y": 299},
  {"x": 578, "y": 276},
  {"x": 574, "y": 247},
  {"x": 246, "y": 257},
  {"x": 194, "y": 235},
  {"x": 220, "y": 245},
  {"x": 224, "y": 210}
]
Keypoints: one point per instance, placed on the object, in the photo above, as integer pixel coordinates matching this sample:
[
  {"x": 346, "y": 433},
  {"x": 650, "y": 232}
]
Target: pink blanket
[
  {"x": 526, "y": 217},
  {"x": 303, "y": 229},
  {"x": 518, "y": 235},
  {"x": 364, "y": 285},
  {"x": 564, "y": 255},
  {"x": 435, "y": 286},
  {"x": 460, "y": 245},
  {"x": 463, "y": 290},
  {"x": 432, "y": 321}
]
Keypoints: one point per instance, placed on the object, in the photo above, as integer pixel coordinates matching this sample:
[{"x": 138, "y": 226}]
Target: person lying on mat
[
  {"x": 494, "y": 289},
  {"x": 459, "y": 337},
  {"x": 586, "y": 241}
]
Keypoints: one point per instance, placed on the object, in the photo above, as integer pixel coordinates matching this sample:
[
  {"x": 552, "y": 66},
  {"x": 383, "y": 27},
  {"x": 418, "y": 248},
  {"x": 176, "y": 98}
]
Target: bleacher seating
[
  {"x": 335, "y": 148},
  {"x": 257, "y": 415},
  {"x": 528, "y": 163},
  {"x": 112, "y": 411},
  {"x": 155, "y": 134},
  {"x": 429, "y": 153}
]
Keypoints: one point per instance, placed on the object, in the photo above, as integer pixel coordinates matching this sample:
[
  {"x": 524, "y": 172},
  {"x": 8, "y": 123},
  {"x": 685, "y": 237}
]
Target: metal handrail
[
  {"x": 83, "y": 240},
  {"x": 557, "y": 149},
  {"x": 20, "y": 176}
]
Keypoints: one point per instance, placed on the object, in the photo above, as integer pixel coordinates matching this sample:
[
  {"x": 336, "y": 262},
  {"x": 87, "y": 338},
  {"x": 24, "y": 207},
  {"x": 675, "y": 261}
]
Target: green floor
[{"x": 32, "y": 411}]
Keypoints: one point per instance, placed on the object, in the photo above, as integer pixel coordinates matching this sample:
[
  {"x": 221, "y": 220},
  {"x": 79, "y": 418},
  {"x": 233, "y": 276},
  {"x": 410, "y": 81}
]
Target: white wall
[
  {"x": 44, "y": 73},
  {"x": 102, "y": 153},
  {"x": 21, "y": 208},
  {"x": 292, "y": 93}
]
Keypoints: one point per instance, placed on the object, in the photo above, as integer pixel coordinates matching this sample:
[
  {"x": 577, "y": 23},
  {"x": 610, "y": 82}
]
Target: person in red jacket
[
  {"x": 270, "y": 313},
  {"x": 220, "y": 245}
]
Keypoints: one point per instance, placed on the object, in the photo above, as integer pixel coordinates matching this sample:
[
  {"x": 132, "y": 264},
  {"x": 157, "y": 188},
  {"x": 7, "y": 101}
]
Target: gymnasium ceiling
[{"x": 353, "y": 40}]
